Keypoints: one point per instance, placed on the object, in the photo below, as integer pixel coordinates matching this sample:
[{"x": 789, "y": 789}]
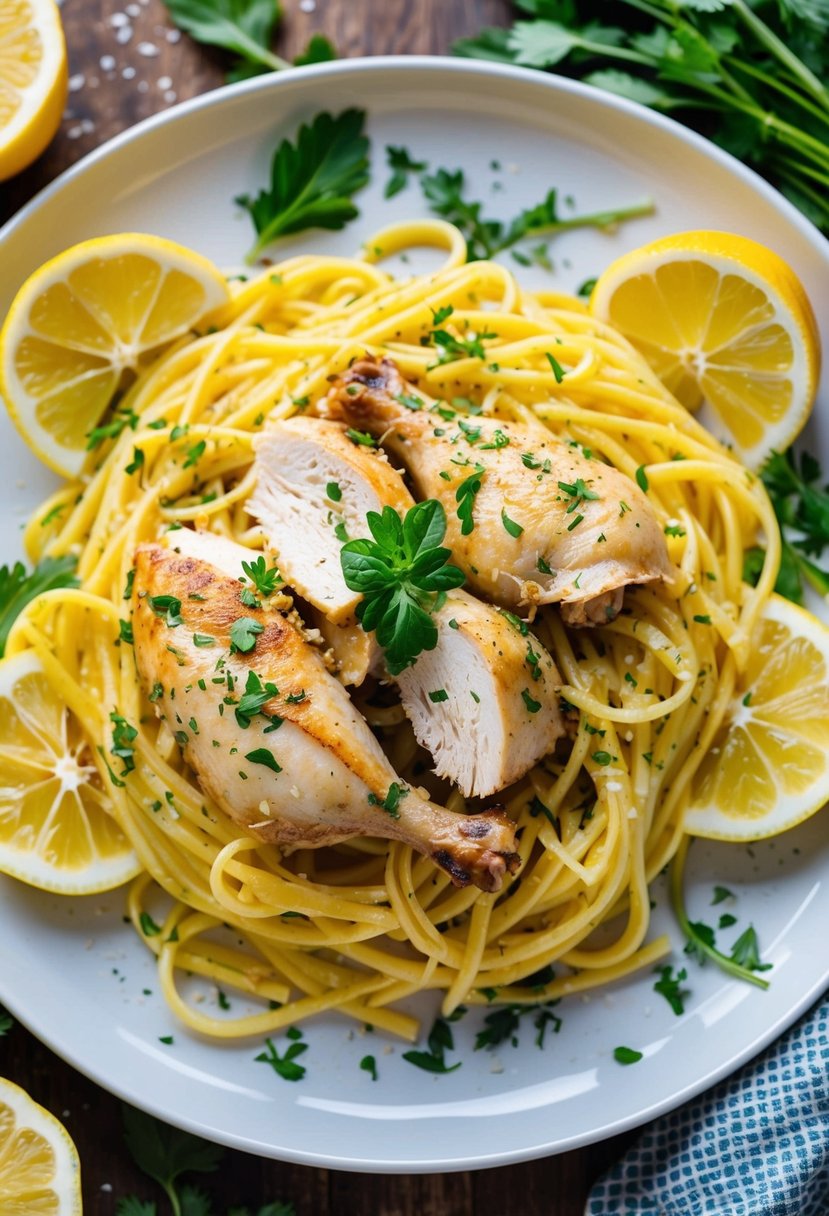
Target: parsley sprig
[
  {"x": 18, "y": 588},
  {"x": 401, "y": 573},
  {"x": 165, "y": 1154},
  {"x": 312, "y": 180},
  {"x": 244, "y": 29},
  {"x": 801, "y": 505},
  {"x": 744, "y": 961},
  {"x": 444, "y": 191}
]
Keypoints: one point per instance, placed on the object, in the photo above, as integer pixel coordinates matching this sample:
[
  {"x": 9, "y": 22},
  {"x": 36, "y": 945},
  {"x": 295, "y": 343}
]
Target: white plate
[{"x": 76, "y": 974}]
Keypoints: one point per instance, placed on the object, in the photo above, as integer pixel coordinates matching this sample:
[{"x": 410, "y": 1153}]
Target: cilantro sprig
[
  {"x": 401, "y": 573},
  {"x": 312, "y": 180}
]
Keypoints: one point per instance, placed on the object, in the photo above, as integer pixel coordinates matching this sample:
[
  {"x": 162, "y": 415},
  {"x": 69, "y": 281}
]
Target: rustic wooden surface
[{"x": 126, "y": 63}]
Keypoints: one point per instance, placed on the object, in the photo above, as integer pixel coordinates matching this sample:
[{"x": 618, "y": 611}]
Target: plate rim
[{"x": 414, "y": 64}]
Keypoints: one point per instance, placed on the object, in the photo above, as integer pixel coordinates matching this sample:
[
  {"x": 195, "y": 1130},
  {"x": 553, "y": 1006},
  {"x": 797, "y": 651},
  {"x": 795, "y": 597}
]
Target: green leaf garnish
[
  {"x": 18, "y": 588},
  {"x": 400, "y": 574},
  {"x": 312, "y": 179}
]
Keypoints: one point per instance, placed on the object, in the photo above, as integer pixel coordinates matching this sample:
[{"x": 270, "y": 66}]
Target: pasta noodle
[{"x": 360, "y": 926}]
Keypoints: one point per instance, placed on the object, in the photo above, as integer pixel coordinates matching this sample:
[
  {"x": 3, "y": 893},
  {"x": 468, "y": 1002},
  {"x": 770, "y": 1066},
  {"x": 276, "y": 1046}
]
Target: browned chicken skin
[
  {"x": 302, "y": 769},
  {"x": 549, "y": 525}
]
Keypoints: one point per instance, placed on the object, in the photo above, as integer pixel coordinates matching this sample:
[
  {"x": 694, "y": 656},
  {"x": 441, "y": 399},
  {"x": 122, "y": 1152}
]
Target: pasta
[{"x": 360, "y": 926}]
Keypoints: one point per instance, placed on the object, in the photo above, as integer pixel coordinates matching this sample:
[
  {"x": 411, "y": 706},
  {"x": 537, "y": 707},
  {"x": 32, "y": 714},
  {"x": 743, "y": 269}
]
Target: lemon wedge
[
  {"x": 768, "y": 768},
  {"x": 720, "y": 319},
  {"x": 84, "y": 323},
  {"x": 33, "y": 80},
  {"x": 56, "y": 828},
  {"x": 39, "y": 1168}
]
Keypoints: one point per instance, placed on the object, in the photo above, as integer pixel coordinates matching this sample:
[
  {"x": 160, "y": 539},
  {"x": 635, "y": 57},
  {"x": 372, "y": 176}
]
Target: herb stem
[
  {"x": 172, "y": 1195},
  {"x": 594, "y": 219},
  {"x": 676, "y": 875},
  {"x": 781, "y": 52},
  {"x": 779, "y": 86}
]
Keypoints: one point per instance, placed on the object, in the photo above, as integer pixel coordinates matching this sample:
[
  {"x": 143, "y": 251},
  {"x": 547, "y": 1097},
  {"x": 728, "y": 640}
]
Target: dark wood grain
[{"x": 116, "y": 84}]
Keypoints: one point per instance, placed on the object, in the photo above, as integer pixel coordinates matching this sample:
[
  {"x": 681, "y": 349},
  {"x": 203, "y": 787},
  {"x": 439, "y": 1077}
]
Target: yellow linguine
[{"x": 360, "y": 926}]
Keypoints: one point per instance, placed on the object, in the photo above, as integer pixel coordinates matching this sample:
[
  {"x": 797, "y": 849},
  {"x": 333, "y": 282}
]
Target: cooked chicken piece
[
  {"x": 313, "y": 483},
  {"x": 276, "y": 741},
  {"x": 485, "y": 701},
  {"x": 483, "y": 736},
  {"x": 313, "y": 490},
  {"x": 531, "y": 519},
  {"x": 355, "y": 652},
  {"x": 226, "y": 555}
]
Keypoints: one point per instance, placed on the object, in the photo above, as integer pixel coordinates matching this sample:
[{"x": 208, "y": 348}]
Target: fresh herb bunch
[
  {"x": 749, "y": 74},
  {"x": 17, "y": 588},
  {"x": 312, "y": 180},
  {"x": 244, "y": 28},
  {"x": 401, "y": 573},
  {"x": 801, "y": 505}
]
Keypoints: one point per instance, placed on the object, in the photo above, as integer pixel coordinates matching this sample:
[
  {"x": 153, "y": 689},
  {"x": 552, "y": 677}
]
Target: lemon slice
[
  {"x": 39, "y": 1167},
  {"x": 84, "y": 323},
  {"x": 768, "y": 767},
  {"x": 723, "y": 320},
  {"x": 56, "y": 829},
  {"x": 33, "y": 80}
]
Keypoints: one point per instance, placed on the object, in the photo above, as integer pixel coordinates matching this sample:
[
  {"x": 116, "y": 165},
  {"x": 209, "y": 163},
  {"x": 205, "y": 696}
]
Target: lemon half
[
  {"x": 33, "y": 80},
  {"x": 56, "y": 829},
  {"x": 768, "y": 768},
  {"x": 84, "y": 323},
  {"x": 39, "y": 1168},
  {"x": 724, "y": 320}
]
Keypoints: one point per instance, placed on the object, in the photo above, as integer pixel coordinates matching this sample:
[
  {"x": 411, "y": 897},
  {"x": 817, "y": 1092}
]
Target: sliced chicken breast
[
  {"x": 482, "y": 736},
  {"x": 273, "y": 738},
  {"x": 314, "y": 488},
  {"x": 485, "y": 701},
  {"x": 532, "y": 520}
]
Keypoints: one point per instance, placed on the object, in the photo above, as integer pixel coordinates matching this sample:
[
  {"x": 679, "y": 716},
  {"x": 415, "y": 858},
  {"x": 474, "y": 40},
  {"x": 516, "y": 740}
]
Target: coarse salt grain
[
  {"x": 76, "y": 82},
  {"x": 123, "y": 35},
  {"x": 128, "y": 73},
  {"x": 170, "y": 96},
  {"x": 142, "y": 86},
  {"x": 164, "y": 83},
  {"x": 173, "y": 35},
  {"x": 107, "y": 63},
  {"x": 133, "y": 10},
  {"x": 118, "y": 19},
  {"x": 307, "y": 6},
  {"x": 148, "y": 49}
]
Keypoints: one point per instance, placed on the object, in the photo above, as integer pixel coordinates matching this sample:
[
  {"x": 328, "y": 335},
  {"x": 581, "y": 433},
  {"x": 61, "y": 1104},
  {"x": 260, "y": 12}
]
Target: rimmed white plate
[{"x": 77, "y": 976}]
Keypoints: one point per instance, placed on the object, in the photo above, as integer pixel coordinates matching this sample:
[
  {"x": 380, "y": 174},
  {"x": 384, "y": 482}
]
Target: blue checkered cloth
[{"x": 756, "y": 1145}]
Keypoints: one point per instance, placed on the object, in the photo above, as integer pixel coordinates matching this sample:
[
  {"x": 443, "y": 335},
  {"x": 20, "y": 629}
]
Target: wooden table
[{"x": 127, "y": 62}]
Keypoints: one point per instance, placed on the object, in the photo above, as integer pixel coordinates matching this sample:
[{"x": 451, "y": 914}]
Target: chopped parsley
[
  {"x": 285, "y": 1066},
  {"x": 465, "y": 496},
  {"x": 243, "y": 633}
]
